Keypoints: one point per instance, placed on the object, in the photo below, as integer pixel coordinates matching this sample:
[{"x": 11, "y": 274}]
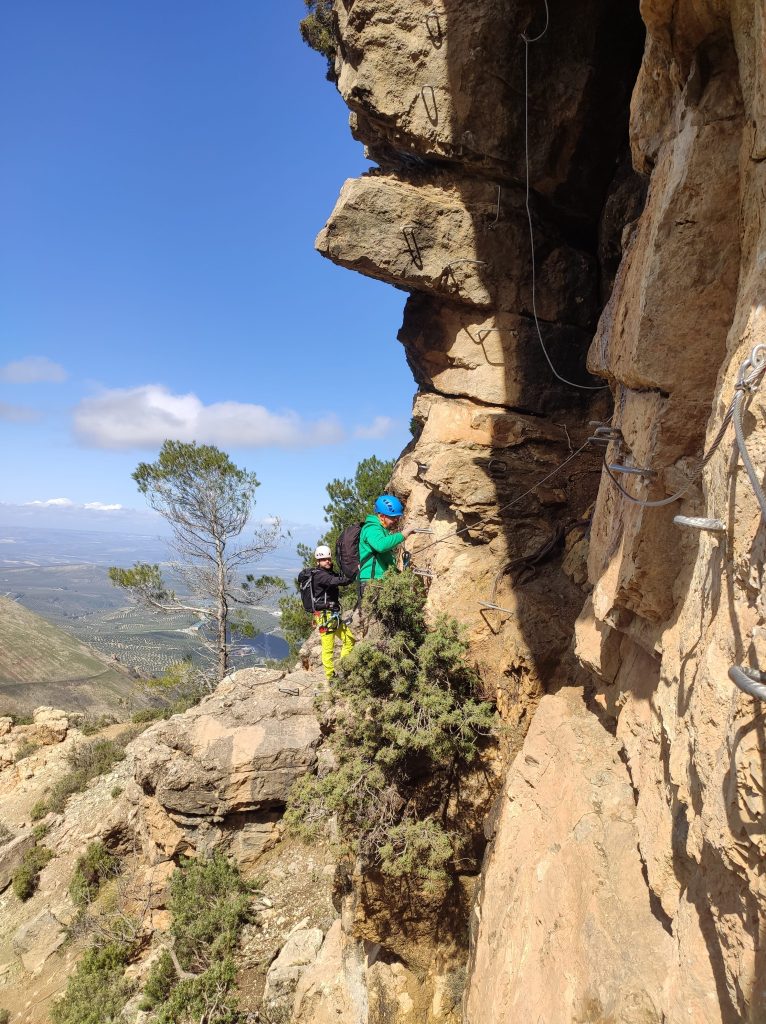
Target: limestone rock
[
  {"x": 565, "y": 930},
  {"x": 38, "y": 939},
  {"x": 50, "y": 725},
  {"x": 297, "y": 954},
  {"x": 11, "y": 856},
  {"x": 239, "y": 750},
  {"x": 434, "y": 238},
  {"x": 424, "y": 85},
  {"x": 495, "y": 359},
  {"x": 333, "y": 988}
]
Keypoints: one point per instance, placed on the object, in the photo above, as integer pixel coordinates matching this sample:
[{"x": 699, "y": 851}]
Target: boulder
[
  {"x": 294, "y": 958},
  {"x": 333, "y": 988},
  {"x": 11, "y": 856},
  {"x": 38, "y": 939},
  {"x": 50, "y": 725},
  {"x": 239, "y": 750}
]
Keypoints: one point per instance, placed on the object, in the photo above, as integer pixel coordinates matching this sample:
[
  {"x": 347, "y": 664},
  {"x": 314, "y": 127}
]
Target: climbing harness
[{"x": 328, "y": 621}]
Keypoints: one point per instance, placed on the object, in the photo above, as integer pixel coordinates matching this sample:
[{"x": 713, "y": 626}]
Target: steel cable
[{"x": 564, "y": 380}]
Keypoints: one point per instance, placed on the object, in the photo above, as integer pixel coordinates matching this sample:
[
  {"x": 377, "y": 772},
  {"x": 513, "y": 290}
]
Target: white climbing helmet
[{"x": 322, "y": 552}]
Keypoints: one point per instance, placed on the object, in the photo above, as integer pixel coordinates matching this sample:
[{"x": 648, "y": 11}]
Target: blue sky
[{"x": 165, "y": 169}]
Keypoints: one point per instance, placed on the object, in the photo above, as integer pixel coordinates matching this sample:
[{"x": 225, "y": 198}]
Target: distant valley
[{"x": 61, "y": 576}]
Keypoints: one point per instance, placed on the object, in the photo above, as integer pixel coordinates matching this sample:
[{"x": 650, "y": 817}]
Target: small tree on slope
[{"x": 207, "y": 501}]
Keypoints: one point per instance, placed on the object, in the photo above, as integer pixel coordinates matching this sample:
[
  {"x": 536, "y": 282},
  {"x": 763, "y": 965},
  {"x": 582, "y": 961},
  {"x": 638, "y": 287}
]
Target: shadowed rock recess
[{"x": 623, "y": 878}]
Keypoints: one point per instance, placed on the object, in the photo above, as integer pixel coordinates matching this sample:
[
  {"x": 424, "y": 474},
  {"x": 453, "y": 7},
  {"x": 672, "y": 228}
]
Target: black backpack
[
  {"x": 306, "y": 587},
  {"x": 347, "y": 550}
]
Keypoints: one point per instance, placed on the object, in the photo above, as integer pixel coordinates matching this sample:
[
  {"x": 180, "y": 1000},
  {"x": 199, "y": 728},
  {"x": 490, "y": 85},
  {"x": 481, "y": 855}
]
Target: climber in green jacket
[{"x": 379, "y": 537}]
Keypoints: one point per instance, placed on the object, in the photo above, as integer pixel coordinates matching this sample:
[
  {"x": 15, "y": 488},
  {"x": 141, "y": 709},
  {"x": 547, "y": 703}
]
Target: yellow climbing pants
[{"x": 333, "y": 628}]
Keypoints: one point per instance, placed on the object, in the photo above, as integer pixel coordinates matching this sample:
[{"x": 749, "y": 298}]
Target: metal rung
[
  {"x": 290, "y": 691},
  {"x": 434, "y": 28},
  {"x": 496, "y": 607},
  {"x": 495, "y": 467},
  {"x": 424, "y": 572},
  {"x": 603, "y": 433},
  {"x": 423, "y": 530},
  {"x": 749, "y": 680},
  {"x": 432, "y": 117},
  {"x": 701, "y": 523},
  {"x": 412, "y": 245},
  {"x": 617, "y": 467}
]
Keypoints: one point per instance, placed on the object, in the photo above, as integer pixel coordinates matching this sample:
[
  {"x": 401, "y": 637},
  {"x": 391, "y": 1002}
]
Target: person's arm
[
  {"x": 326, "y": 579},
  {"x": 380, "y": 540}
]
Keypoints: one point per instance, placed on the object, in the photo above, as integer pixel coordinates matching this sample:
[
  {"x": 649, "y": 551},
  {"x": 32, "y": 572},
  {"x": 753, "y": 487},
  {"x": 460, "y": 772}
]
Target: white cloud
[
  {"x": 144, "y": 417},
  {"x": 379, "y": 427},
  {"x": 17, "y": 413},
  {"x": 99, "y": 506},
  {"x": 33, "y": 370},
  {"x": 52, "y": 503}
]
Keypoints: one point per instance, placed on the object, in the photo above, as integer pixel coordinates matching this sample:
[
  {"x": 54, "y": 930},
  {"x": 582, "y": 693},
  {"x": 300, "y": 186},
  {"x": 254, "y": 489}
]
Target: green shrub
[
  {"x": 95, "y": 866},
  {"x": 5, "y": 834},
  {"x": 39, "y": 809},
  {"x": 209, "y": 904},
  {"x": 403, "y": 723},
  {"x": 318, "y": 31},
  {"x": 22, "y": 719},
  {"x": 209, "y": 997},
  {"x": 5, "y": 1016},
  {"x": 115, "y": 792},
  {"x": 27, "y": 876},
  {"x": 97, "y": 991},
  {"x": 159, "y": 982},
  {"x": 25, "y": 749},
  {"x": 149, "y": 715},
  {"x": 40, "y": 831},
  {"x": 86, "y": 762}
]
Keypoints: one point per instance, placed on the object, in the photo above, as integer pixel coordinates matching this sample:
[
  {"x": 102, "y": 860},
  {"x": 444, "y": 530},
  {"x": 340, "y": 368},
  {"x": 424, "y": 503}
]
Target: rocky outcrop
[
  {"x": 565, "y": 581},
  {"x": 224, "y": 768},
  {"x": 215, "y": 778}
]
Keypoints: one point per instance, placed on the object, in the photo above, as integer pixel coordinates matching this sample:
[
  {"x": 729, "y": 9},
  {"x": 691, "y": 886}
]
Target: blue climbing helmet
[{"x": 388, "y": 505}]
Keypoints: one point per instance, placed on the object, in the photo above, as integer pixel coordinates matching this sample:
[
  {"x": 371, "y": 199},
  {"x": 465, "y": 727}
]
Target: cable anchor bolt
[
  {"x": 643, "y": 471},
  {"x": 701, "y": 523}
]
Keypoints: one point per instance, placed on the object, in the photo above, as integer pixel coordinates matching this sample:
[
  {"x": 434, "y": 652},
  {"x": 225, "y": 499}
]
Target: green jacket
[{"x": 376, "y": 540}]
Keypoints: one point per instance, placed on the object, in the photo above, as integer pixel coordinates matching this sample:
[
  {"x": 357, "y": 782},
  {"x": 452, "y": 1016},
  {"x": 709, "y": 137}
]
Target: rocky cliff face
[{"x": 623, "y": 877}]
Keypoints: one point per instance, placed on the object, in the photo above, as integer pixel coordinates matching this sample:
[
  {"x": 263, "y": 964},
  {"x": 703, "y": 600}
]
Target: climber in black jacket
[{"x": 325, "y": 587}]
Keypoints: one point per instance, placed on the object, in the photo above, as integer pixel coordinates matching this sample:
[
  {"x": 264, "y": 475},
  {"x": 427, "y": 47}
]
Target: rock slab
[{"x": 567, "y": 933}]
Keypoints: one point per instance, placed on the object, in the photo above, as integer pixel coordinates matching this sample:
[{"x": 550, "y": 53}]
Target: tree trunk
[{"x": 222, "y": 612}]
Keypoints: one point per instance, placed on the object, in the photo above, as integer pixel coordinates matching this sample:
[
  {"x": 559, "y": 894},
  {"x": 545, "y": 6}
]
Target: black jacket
[{"x": 325, "y": 586}]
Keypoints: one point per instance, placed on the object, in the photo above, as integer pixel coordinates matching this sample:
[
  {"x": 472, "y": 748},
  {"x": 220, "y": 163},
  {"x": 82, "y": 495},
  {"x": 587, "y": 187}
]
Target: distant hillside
[{"x": 41, "y": 664}]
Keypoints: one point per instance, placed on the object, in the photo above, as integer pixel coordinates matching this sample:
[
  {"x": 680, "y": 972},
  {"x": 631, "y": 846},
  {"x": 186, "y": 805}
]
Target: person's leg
[
  {"x": 347, "y": 640},
  {"x": 328, "y": 643}
]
